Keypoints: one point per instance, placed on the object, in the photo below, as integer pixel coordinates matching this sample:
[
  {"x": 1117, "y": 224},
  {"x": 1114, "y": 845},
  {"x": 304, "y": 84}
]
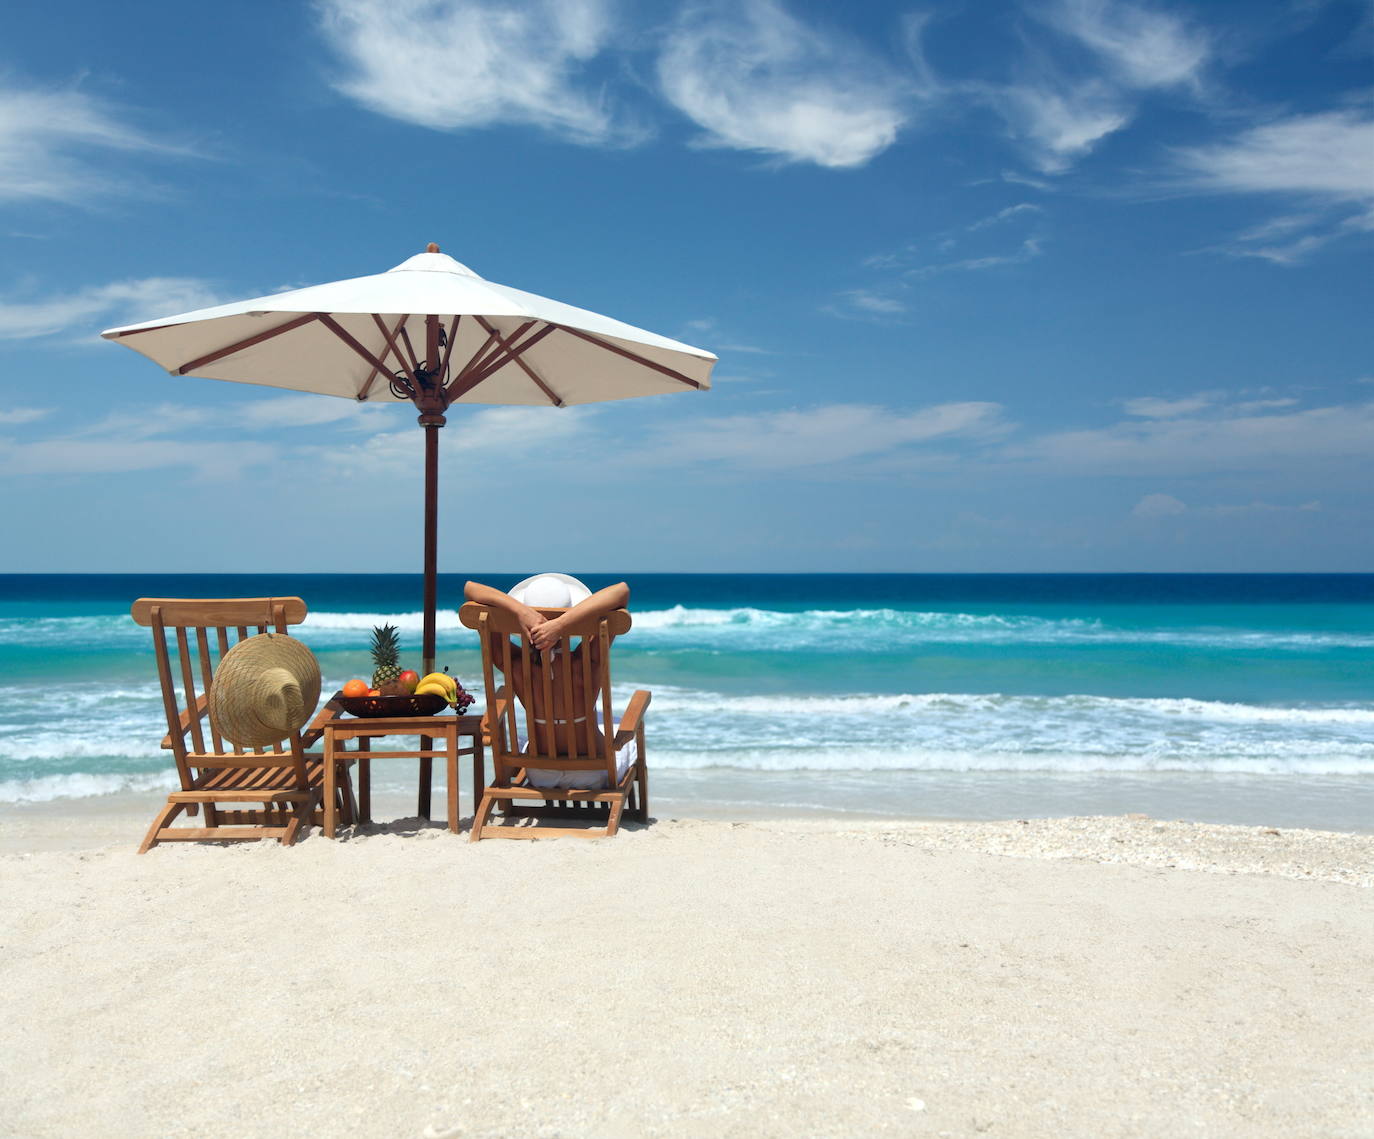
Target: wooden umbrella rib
[
  {"x": 247, "y": 342},
  {"x": 410, "y": 350},
  {"x": 478, "y": 362},
  {"x": 348, "y": 338},
  {"x": 549, "y": 393},
  {"x": 468, "y": 368},
  {"x": 635, "y": 356},
  {"x": 450, "y": 336},
  {"x": 388, "y": 348},
  {"x": 511, "y": 352}
]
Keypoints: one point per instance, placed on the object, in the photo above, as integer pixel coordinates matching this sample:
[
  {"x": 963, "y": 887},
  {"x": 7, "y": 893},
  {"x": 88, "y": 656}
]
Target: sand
[{"x": 1079, "y": 977}]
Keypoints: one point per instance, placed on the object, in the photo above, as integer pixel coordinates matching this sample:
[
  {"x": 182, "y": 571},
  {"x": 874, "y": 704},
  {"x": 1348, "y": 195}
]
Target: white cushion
[{"x": 550, "y": 778}]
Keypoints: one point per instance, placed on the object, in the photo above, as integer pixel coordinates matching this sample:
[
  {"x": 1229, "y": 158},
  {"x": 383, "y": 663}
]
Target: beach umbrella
[{"x": 429, "y": 332}]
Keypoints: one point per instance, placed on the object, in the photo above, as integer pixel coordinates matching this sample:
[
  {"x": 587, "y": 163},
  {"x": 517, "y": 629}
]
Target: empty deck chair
[{"x": 281, "y": 784}]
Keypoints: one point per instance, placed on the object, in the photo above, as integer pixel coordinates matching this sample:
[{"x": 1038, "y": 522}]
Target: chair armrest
[
  {"x": 330, "y": 711},
  {"x": 629, "y": 723},
  {"x": 202, "y": 706}
]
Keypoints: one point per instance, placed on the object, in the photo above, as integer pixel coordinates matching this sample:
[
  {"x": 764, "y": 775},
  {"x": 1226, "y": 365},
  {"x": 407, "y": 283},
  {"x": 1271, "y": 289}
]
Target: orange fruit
[{"x": 355, "y": 688}]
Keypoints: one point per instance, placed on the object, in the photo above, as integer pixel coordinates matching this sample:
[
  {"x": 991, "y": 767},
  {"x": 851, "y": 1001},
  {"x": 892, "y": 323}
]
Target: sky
[{"x": 1063, "y": 285}]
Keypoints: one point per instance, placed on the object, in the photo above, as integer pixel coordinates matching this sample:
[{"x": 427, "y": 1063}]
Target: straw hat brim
[{"x": 265, "y": 689}]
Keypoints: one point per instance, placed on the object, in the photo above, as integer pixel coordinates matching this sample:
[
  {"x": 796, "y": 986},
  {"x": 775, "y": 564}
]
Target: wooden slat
[
  {"x": 219, "y": 834},
  {"x": 213, "y": 612},
  {"x": 189, "y": 687}
]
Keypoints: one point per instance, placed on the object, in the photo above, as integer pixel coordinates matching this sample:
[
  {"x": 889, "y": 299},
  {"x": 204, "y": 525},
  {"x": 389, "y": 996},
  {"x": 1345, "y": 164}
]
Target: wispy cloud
[
  {"x": 17, "y": 415},
  {"x": 1226, "y": 439},
  {"x": 1141, "y": 47},
  {"x": 1064, "y": 104},
  {"x": 96, "y": 306},
  {"x": 52, "y": 141},
  {"x": 826, "y": 435},
  {"x": 1153, "y": 407},
  {"x": 454, "y": 65},
  {"x": 754, "y": 77},
  {"x": 1322, "y": 160}
]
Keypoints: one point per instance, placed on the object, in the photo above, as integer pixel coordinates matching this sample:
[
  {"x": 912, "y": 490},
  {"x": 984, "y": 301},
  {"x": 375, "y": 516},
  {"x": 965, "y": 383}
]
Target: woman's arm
[
  {"x": 530, "y": 619},
  {"x": 600, "y": 603}
]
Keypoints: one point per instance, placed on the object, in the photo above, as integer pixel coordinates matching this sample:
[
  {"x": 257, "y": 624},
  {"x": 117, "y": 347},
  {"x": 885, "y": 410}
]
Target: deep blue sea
[{"x": 1234, "y": 698}]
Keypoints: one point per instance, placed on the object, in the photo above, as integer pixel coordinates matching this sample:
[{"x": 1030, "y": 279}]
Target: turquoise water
[{"x": 1239, "y": 698}]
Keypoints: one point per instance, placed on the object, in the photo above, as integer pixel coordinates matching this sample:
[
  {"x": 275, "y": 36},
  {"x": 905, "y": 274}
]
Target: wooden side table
[{"x": 442, "y": 728}]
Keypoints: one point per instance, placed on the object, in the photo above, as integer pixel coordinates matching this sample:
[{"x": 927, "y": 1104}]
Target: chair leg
[
  {"x": 303, "y": 811},
  {"x": 613, "y": 819},
  {"x": 164, "y": 816},
  {"x": 642, "y": 798},
  {"x": 480, "y": 816}
]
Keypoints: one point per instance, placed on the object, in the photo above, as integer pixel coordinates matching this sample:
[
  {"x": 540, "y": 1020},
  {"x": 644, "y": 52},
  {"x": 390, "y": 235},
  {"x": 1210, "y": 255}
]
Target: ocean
[{"x": 1223, "y": 698}]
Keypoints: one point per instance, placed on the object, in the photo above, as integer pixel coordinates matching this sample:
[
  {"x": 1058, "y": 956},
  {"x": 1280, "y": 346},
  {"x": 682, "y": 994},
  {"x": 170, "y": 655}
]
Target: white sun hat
[{"x": 550, "y": 591}]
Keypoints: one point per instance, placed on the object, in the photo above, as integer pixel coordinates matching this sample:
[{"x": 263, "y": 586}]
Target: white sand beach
[{"x": 1082, "y": 977}]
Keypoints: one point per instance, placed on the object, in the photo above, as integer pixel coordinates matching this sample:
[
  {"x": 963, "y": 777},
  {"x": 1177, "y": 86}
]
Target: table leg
[
  {"x": 479, "y": 769},
  {"x": 426, "y": 778},
  {"x": 331, "y": 787},
  {"x": 451, "y": 740},
  {"x": 364, "y": 780}
]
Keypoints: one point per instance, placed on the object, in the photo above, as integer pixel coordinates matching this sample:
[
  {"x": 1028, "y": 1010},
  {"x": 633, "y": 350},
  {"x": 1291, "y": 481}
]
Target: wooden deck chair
[
  {"x": 560, "y": 743},
  {"x": 285, "y": 784}
]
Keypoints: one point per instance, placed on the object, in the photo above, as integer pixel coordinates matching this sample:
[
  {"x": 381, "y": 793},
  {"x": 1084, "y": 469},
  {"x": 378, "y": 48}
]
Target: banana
[
  {"x": 449, "y": 685},
  {"x": 428, "y": 689}
]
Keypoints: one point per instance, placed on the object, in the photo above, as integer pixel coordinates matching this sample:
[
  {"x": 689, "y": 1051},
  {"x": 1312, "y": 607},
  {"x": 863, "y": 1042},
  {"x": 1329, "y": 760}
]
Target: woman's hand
[{"x": 545, "y": 635}]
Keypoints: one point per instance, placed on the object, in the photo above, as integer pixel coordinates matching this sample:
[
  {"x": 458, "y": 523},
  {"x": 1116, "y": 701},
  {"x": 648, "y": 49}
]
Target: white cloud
[
  {"x": 1061, "y": 124},
  {"x": 98, "y": 306},
  {"x": 1325, "y": 160},
  {"x": 1224, "y": 441},
  {"x": 113, "y": 455},
  {"x": 1152, "y": 407},
  {"x": 1143, "y": 48},
  {"x": 454, "y": 65},
  {"x": 1325, "y": 155},
  {"x": 1158, "y": 506},
  {"x": 756, "y": 78},
  {"x": 1020, "y": 209},
  {"x": 1061, "y": 110},
  {"x": 820, "y": 436},
  {"x": 18, "y": 415},
  {"x": 1029, "y": 249},
  {"x": 49, "y": 137}
]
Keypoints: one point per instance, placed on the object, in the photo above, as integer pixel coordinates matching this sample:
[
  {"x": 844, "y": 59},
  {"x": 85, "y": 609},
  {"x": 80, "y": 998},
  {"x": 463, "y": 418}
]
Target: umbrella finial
[{"x": 432, "y": 247}]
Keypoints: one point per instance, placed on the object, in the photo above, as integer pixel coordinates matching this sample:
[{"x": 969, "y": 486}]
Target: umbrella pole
[
  {"x": 431, "y": 538},
  {"x": 432, "y": 401}
]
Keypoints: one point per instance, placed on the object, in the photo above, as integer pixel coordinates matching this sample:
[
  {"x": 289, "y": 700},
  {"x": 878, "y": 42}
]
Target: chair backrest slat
[
  {"x": 207, "y": 674},
  {"x": 222, "y": 639},
  {"x": 188, "y": 681},
  {"x": 169, "y": 696}
]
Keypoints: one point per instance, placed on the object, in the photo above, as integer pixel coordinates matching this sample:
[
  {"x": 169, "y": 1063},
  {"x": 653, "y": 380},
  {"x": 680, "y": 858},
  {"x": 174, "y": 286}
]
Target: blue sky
[{"x": 1064, "y": 285}]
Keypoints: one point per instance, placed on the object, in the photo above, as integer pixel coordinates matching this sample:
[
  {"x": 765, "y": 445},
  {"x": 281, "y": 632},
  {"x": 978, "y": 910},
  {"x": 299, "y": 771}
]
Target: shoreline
[
  {"x": 113, "y": 824},
  {"x": 1070, "y": 977},
  {"x": 1246, "y": 802}
]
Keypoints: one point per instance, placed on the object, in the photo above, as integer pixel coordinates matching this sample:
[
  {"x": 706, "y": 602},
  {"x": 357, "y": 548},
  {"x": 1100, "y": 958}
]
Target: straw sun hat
[
  {"x": 550, "y": 591},
  {"x": 265, "y": 688}
]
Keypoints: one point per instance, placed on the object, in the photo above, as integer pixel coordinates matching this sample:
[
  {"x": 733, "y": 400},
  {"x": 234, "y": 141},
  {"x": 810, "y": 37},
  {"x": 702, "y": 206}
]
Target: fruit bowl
[{"x": 371, "y": 707}]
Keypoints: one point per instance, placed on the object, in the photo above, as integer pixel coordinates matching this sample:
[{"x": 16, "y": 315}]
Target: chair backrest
[
  {"x": 202, "y": 630},
  {"x": 560, "y": 715}
]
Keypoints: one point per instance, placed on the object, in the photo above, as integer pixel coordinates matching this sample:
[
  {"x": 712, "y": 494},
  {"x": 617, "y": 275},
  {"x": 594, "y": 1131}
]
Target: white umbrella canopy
[{"x": 430, "y": 332}]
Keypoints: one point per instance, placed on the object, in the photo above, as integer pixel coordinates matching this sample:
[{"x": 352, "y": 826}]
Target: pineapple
[{"x": 384, "y": 651}]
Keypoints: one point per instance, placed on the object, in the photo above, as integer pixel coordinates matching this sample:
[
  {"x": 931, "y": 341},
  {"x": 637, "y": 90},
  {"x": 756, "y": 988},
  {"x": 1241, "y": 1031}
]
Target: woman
[{"x": 560, "y": 730}]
